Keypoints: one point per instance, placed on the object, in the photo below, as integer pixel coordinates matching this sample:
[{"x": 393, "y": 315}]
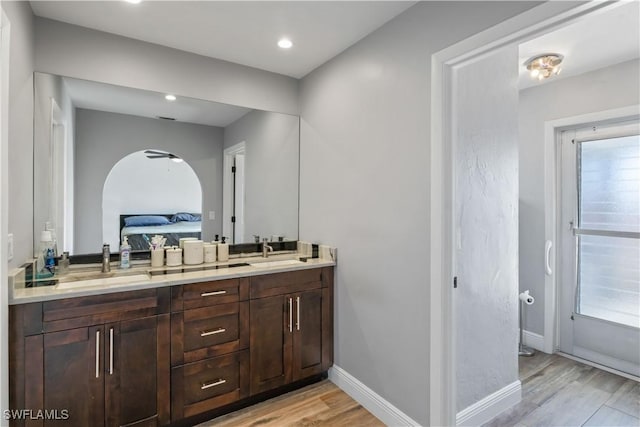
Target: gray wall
[
  {"x": 20, "y": 129},
  {"x": 365, "y": 189},
  {"x": 613, "y": 87},
  {"x": 104, "y": 138},
  {"x": 73, "y": 51},
  {"x": 271, "y": 172},
  {"x": 486, "y": 221}
]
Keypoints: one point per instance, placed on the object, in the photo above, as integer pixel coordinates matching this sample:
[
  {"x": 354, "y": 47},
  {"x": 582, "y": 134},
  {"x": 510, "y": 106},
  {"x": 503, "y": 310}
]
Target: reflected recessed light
[
  {"x": 285, "y": 43},
  {"x": 177, "y": 159},
  {"x": 133, "y": 1},
  {"x": 170, "y": 97}
]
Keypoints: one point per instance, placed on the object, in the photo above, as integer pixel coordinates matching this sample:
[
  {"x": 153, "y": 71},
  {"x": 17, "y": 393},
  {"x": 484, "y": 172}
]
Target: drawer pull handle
[
  {"x": 213, "y": 384},
  {"x": 213, "y": 332},
  {"x": 209, "y": 294}
]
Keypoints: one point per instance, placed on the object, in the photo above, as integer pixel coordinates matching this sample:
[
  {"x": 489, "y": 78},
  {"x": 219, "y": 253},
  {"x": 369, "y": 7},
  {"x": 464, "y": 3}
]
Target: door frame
[
  {"x": 526, "y": 26},
  {"x": 552, "y": 183},
  {"x": 5, "y": 29},
  {"x": 227, "y": 185}
]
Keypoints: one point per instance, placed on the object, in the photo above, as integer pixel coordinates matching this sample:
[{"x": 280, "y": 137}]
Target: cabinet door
[
  {"x": 271, "y": 342},
  {"x": 307, "y": 334},
  {"x": 74, "y": 377},
  {"x": 137, "y": 372}
]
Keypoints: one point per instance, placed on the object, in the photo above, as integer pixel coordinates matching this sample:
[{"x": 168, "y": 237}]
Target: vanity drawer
[
  {"x": 205, "y": 294},
  {"x": 84, "y": 311},
  {"x": 201, "y": 386},
  {"x": 201, "y": 333},
  {"x": 270, "y": 285}
]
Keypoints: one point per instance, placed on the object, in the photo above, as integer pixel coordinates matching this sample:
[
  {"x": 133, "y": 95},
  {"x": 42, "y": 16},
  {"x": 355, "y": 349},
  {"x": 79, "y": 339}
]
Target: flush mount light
[
  {"x": 133, "y": 1},
  {"x": 170, "y": 97},
  {"x": 285, "y": 43},
  {"x": 544, "y": 66}
]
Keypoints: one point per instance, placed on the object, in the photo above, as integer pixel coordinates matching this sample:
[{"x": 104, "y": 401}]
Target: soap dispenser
[
  {"x": 223, "y": 250},
  {"x": 125, "y": 253}
]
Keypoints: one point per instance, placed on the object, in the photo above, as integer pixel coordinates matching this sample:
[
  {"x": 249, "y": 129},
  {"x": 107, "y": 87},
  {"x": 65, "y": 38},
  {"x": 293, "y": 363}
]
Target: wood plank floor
[
  {"x": 557, "y": 391},
  {"x": 320, "y": 404}
]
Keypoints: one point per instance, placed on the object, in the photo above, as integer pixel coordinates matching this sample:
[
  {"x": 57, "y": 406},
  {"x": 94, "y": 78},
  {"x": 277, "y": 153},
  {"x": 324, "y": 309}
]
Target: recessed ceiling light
[
  {"x": 285, "y": 43},
  {"x": 133, "y": 1},
  {"x": 170, "y": 97}
]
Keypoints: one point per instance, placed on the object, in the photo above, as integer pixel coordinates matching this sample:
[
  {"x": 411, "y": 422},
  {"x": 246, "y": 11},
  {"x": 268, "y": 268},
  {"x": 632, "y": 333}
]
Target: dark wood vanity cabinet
[
  {"x": 291, "y": 327},
  {"x": 156, "y": 356},
  {"x": 103, "y": 359},
  {"x": 210, "y": 342}
]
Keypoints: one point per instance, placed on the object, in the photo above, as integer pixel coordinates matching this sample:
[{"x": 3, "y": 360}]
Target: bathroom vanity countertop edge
[{"x": 49, "y": 293}]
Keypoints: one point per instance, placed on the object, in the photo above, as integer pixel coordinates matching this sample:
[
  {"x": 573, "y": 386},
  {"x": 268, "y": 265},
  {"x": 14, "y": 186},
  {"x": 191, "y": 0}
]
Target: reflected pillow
[
  {"x": 145, "y": 220},
  {"x": 186, "y": 217}
]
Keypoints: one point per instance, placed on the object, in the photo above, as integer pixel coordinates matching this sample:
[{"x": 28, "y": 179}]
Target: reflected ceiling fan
[{"x": 154, "y": 154}]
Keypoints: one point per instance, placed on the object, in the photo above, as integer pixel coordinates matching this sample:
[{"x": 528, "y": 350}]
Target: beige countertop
[{"x": 87, "y": 280}]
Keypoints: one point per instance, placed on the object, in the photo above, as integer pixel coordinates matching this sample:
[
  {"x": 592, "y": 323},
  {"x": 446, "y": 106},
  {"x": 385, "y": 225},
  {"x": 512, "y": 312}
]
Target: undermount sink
[
  {"x": 281, "y": 263},
  {"x": 104, "y": 281}
]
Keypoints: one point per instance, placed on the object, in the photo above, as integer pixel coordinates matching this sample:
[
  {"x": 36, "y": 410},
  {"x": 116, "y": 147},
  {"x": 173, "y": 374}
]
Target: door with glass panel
[{"x": 599, "y": 232}]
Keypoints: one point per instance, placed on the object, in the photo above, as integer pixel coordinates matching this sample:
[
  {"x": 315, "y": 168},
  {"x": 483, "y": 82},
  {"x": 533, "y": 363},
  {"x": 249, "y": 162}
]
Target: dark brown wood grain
[
  {"x": 270, "y": 343},
  {"x": 191, "y": 395},
  {"x": 284, "y": 283},
  {"x": 131, "y": 386},
  {"x": 34, "y": 386},
  {"x": 69, "y": 379},
  {"x": 327, "y": 318},
  {"x": 194, "y": 294},
  {"x": 163, "y": 373},
  {"x": 307, "y": 334},
  {"x": 16, "y": 360}
]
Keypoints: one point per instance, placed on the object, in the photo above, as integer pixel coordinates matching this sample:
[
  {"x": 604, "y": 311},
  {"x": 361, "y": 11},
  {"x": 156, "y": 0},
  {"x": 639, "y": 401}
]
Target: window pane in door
[
  {"x": 609, "y": 184},
  {"x": 609, "y": 278}
]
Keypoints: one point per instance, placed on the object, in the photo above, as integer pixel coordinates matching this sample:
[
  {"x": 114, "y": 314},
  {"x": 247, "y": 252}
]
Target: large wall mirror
[{"x": 111, "y": 161}]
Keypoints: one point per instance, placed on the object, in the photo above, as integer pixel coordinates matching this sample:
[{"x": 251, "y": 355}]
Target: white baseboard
[
  {"x": 534, "y": 340},
  {"x": 492, "y": 405},
  {"x": 369, "y": 399}
]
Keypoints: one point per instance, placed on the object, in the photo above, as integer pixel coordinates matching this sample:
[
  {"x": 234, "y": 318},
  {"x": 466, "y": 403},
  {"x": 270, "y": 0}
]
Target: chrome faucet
[
  {"x": 106, "y": 258},
  {"x": 266, "y": 248}
]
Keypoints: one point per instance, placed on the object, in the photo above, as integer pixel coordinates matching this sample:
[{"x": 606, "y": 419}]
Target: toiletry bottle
[
  {"x": 125, "y": 253},
  {"x": 63, "y": 264},
  {"x": 223, "y": 250},
  {"x": 46, "y": 254}
]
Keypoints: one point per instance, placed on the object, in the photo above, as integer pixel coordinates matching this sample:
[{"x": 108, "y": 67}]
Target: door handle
[
  {"x": 110, "y": 351},
  {"x": 298, "y": 313},
  {"x": 290, "y": 314},
  {"x": 98, "y": 354},
  {"x": 547, "y": 257}
]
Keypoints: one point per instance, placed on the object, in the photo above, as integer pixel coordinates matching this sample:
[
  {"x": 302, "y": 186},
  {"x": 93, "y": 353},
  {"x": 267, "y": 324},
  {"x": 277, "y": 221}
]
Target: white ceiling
[
  {"x": 137, "y": 102},
  {"x": 596, "y": 41},
  {"x": 244, "y": 32}
]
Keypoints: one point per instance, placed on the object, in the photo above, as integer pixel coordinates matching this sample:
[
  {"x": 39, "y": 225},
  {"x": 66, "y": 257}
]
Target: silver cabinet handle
[
  {"x": 290, "y": 314},
  {"x": 213, "y": 384},
  {"x": 298, "y": 313},
  {"x": 97, "y": 354},
  {"x": 208, "y": 294},
  {"x": 212, "y": 332},
  {"x": 110, "y": 351}
]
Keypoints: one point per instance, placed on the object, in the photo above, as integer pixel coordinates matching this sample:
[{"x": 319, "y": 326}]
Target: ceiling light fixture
[
  {"x": 133, "y": 1},
  {"x": 285, "y": 43},
  {"x": 544, "y": 66},
  {"x": 170, "y": 97}
]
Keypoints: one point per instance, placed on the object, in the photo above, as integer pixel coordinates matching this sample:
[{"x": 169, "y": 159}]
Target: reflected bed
[{"x": 140, "y": 235}]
